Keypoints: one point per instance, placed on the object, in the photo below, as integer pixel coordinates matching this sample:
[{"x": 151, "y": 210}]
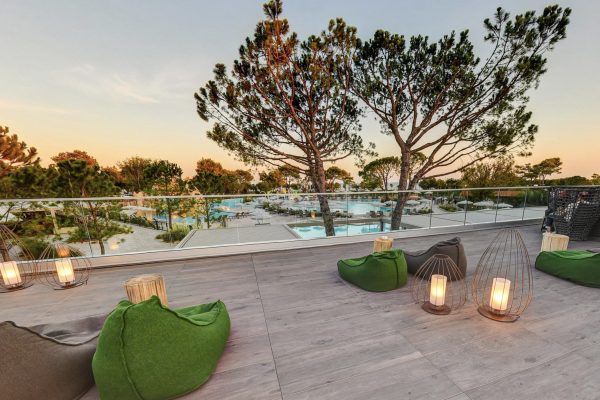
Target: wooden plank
[{"x": 298, "y": 326}]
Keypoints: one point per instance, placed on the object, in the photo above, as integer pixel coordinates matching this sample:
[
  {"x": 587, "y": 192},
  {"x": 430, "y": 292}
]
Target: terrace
[{"x": 300, "y": 332}]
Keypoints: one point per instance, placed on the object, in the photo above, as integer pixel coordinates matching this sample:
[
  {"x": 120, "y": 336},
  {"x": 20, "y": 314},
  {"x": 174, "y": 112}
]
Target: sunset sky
[{"x": 116, "y": 78}]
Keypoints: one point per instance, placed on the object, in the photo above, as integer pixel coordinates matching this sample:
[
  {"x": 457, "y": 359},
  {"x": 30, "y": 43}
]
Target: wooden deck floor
[{"x": 300, "y": 332}]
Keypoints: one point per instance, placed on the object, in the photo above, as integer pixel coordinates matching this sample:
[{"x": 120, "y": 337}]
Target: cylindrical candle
[
  {"x": 500, "y": 294},
  {"x": 10, "y": 273},
  {"x": 437, "y": 292},
  {"x": 62, "y": 251},
  {"x": 64, "y": 269}
]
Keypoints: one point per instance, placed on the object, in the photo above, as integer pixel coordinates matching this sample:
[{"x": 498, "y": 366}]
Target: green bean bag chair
[
  {"x": 377, "y": 272},
  {"x": 148, "y": 351},
  {"x": 582, "y": 267}
]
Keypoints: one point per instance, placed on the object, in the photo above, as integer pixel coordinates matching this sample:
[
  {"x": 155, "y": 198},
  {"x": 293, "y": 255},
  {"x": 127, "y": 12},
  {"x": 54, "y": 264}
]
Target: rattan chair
[{"x": 573, "y": 211}]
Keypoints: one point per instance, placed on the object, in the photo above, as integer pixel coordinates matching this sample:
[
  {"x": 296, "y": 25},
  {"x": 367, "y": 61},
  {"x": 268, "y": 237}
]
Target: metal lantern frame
[
  {"x": 60, "y": 256},
  {"x": 502, "y": 286},
  {"x": 455, "y": 285},
  {"x": 24, "y": 269}
]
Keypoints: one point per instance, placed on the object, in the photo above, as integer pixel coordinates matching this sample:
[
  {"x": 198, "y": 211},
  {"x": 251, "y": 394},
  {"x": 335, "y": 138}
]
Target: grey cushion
[
  {"x": 452, "y": 248},
  {"x": 50, "y": 362}
]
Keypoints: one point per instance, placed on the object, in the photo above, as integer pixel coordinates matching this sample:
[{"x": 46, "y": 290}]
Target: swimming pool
[
  {"x": 318, "y": 231},
  {"x": 351, "y": 206},
  {"x": 230, "y": 202}
]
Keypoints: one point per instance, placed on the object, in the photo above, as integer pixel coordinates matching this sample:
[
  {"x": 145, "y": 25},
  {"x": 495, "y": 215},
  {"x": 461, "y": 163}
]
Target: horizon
[{"x": 71, "y": 84}]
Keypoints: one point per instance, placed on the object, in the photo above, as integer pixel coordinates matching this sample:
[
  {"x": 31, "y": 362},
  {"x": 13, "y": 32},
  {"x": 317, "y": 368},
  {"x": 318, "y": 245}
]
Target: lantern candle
[
  {"x": 62, "y": 251},
  {"x": 64, "y": 269},
  {"x": 10, "y": 273},
  {"x": 437, "y": 292},
  {"x": 500, "y": 294}
]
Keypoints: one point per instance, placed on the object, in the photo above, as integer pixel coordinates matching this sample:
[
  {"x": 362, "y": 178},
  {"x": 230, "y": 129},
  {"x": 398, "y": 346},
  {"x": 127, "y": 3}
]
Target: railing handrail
[{"x": 346, "y": 193}]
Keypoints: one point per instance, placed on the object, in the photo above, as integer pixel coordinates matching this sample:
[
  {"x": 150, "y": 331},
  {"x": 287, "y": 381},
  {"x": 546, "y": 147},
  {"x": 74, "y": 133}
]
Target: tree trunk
[
  {"x": 320, "y": 184},
  {"x": 101, "y": 244},
  {"x": 94, "y": 216},
  {"x": 207, "y": 213},
  {"x": 169, "y": 215},
  {"x": 398, "y": 209},
  {"x": 326, "y": 213},
  {"x": 402, "y": 196}
]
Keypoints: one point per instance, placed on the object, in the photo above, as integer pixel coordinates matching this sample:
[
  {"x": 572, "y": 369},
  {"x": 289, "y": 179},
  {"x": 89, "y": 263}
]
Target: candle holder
[
  {"x": 439, "y": 285},
  {"x": 63, "y": 267},
  {"x": 502, "y": 286},
  {"x": 382, "y": 243},
  {"x": 17, "y": 265}
]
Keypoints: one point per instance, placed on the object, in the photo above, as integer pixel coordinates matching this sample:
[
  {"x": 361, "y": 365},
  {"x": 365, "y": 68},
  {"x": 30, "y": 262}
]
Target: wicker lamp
[
  {"x": 63, "y": 267},
  {"x": 439, "y": 285},
  {"x": 502, "y": 285},
  {"x": 554, "y": 241},
  {"x": 17, "y": 265},
  {"x": 143, "y": 287},
  {"x": 382, "y": 243}
]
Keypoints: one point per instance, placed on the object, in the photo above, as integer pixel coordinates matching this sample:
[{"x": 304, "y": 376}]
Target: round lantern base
[
  {"x": 437, "y": 310},
  {"x": 15, "y": 288},
  {"x": 69, "y": 286},
  {"x": 488, "y": 313}
]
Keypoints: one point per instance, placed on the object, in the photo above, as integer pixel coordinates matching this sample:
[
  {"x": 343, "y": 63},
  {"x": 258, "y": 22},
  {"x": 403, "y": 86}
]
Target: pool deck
[
  {"x": 244, "y": 234},
  {"x": 300, "y": 332}
]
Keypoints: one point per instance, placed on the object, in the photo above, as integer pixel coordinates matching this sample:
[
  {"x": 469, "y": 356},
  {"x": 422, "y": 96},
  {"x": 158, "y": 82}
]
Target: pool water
[
  {"x": 318, "y": 231},
  {"x": 231, "y": 202},
  {"x": 351, "y": 206}
]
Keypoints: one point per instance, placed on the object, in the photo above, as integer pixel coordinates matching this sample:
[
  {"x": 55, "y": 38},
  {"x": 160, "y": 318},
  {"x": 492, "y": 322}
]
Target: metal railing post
[
  {"x": 524, "y": 204},
  {"x": 466, "y": 208},
  {"x": 497, "y": 202},
  {"x": 431, "y": 212},
  {"x": 347, "y": 215}
]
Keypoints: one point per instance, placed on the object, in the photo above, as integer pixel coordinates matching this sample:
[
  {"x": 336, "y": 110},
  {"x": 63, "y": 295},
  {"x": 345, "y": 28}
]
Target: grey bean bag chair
[
  {"x": 452, "y": 248},
  {"x": 50, "y": 362}
]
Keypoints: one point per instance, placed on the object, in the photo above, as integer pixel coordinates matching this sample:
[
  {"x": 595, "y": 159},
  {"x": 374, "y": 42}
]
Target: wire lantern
[
  {"x": 439, "y": 285},
  {"x": 63, "y": 266},
  {"x": 17, "y": 265},
  {"x": 502, "y": 286}
]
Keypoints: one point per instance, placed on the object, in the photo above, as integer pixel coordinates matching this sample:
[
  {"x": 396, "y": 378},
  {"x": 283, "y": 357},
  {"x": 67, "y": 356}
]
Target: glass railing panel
[
  {"x": 194, "y": 220},
  {"x": 39, "y": 223},
  {"x": 368, "y": 213},
  {"x": 308, "y": 221},
  {"x": 536, "y": 203},
  {"x": 448, "y": 208},
  {"x": 132, "y": 225},
  {"x": 480, "y": 206},
  {"x": 509, "y": 204},
  {"x": 416, "y": 212},
  {"x": 139, "y": 224}
]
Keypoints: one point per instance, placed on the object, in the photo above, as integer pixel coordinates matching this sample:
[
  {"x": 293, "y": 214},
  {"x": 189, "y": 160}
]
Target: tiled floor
[{"x": 300, "y": 332}]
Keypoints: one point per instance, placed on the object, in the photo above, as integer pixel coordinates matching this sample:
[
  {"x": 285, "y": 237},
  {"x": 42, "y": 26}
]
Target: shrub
[
  {"x": 449, "y": 207},
  {"x": 174, "y": 236},
  {"x": 35, "y": 245},
  {"x": 426, "y": 210},
  {"x": 141, "y": 221}
]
